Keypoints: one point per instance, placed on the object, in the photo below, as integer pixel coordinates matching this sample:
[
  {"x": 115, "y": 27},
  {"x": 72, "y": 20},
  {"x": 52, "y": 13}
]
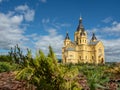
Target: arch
[{"x": 102, "y": 60}]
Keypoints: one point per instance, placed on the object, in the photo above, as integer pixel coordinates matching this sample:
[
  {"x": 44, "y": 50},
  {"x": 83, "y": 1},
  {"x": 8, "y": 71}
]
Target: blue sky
[{"x": 36, "y": 24}]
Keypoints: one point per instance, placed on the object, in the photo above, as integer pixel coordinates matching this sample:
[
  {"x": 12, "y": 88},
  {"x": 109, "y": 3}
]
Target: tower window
[
  {"x": 77, "y": 39},
  {"x": 80, "y": 57},
  {"x": 92, "y": 57}
]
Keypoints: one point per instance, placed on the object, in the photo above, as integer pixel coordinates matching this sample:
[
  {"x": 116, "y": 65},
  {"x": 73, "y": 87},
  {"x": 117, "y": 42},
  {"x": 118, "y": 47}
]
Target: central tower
[{"x": 80, "y": 36}]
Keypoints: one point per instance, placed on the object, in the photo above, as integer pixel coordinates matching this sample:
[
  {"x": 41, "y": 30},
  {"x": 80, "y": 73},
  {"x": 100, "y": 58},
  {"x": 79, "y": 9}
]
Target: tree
[
  {"x": 51, "y": 54},
  {"x": 16, "y": 54},
  {"x": 42, "y": 71}
]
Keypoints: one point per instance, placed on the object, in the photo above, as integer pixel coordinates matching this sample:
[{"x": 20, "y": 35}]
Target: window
[
  {"x": 100, "y": 51},
  {"x": 92, "y": 57},
  {"x": 80, "y": 57}
]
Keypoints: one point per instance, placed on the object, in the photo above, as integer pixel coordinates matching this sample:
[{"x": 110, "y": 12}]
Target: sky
[{"x": 36, "y": 24}]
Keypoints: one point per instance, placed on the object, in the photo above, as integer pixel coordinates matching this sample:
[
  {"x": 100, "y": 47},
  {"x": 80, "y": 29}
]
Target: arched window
[
  {"x": 77, "y": 39},
  {"x": 92, "y": 57},
  {"x": 80, "y": 57}
]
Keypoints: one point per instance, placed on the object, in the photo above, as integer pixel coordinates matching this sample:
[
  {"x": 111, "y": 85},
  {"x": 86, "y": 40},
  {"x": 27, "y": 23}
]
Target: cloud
[
  {"x": 53, "y": 39},
  {"x": 26, "y": 11},
  {"x": 45, "y": 21},
  {"x": 11, "y": 30},
  {"x": 114, "y": 28},
  {"x": 112, "y": 50},
  {"x": 107, "y": 20},
  {"x": 54, "y": 23},
  {"x": 43, "y": 1}
]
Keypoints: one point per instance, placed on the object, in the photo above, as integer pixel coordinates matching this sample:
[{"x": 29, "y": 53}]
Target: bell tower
[
  {"x": 93, "y": 39},
  {"x": 80, "y": 36},
  {"x": 67, "y": 40}
]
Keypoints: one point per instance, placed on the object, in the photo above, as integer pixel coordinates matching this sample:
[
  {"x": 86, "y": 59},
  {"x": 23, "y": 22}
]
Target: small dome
[
  {"x": 93, "y": 37},
  {"x": 67, "y": 36}
]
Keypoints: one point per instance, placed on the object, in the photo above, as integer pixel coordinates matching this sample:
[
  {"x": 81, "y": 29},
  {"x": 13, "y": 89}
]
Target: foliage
[
  {"x": 17, "y": 56},
  {"x": 5, "y": 58},
  {"x": 70, "y": 73},
  {"x": 96, "y": 76},
  {"x": 6, "y": 67},
  {"x": 47, "y": 74},
  {"x": 42, "y": 72}
]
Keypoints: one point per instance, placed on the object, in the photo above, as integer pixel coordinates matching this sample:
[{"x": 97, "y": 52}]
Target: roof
[
  {"x": 93, "y": 37},
  {"x": 93, "y": 42},
  {"x": 70, "y": 49},
  {"x": 80, "y": 26},
  {"x": 67, "y": 36}
]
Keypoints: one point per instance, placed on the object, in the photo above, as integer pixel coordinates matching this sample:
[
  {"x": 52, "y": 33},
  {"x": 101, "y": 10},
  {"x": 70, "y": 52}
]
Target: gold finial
[{"x": 80, "y": 17}]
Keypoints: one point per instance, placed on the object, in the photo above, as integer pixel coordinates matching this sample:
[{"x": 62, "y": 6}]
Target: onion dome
[
  {"x": 80, "y": 26},
  {"x": 67, "y": 36},
  {"x": 93, "y": 37}
]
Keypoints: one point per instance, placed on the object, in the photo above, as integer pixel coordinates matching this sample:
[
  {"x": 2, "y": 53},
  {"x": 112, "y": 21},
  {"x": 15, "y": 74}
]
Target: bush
[
  {"x": 6, "y": 67},
  {"x": 5, "y": 58}
]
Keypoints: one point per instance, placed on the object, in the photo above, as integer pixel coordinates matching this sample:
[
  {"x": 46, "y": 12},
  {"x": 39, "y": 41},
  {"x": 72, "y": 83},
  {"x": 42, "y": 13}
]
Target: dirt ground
[{"x": 8, "y": 82}]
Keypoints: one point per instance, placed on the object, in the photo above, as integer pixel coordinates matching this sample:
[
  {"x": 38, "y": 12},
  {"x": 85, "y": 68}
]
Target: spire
[
  {"x": 80, "y": 26},
  {"x": 80, "y": 20},
  {"x": 67, "y": 36},
  {"x": 93, "y": 37}
]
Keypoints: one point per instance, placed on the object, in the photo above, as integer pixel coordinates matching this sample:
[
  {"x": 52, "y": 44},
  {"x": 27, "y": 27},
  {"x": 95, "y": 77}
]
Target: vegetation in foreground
[{"x": 45, "y": 73}]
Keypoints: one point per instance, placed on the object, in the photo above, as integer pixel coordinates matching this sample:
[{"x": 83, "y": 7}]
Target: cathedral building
[{"x": 81, "y": 50}]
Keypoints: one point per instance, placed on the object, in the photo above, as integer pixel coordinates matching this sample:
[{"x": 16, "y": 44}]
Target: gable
[{"x": 70, "y": 46}]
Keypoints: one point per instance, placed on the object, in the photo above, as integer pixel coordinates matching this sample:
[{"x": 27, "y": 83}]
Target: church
[{"x": 81, "y": 50}]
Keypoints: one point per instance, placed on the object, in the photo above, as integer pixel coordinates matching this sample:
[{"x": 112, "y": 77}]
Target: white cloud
[
  {"x": 45, "y": 21},
  {"x": 54, "y": 23},
  {"x": 115, "y": 28},
  {"x": 112, "y": 50},
  {"x": 11, "y": 32},
  {"x": 43, "y": 1},
  {"x": 107, "y": 20},
  {"x": 26, "y": 11},
  {"x": 22, "y": 8},
  {"x": 53, "y": 39}
]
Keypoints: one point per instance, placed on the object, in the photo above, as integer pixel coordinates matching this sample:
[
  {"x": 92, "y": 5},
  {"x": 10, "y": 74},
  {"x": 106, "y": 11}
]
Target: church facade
[{"x": 81, "y": 50}]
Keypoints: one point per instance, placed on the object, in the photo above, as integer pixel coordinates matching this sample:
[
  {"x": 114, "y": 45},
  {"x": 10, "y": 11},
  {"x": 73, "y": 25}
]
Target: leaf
[{"x": 99, "y": 86}]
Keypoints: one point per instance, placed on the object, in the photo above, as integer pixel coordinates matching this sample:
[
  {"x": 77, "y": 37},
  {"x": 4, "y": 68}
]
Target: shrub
[{"x": 6, "y": 67}]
